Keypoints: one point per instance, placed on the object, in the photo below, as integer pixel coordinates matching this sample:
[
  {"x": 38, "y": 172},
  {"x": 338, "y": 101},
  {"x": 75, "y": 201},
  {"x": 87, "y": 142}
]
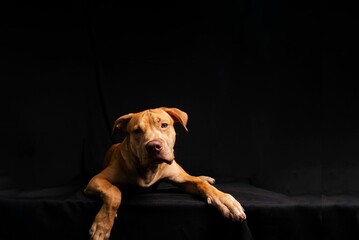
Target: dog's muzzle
[{"x": 155, "y": 151}]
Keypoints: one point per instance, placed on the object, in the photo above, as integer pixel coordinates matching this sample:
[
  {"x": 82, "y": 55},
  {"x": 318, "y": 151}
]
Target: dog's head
[{"x": 151, "y": 134}]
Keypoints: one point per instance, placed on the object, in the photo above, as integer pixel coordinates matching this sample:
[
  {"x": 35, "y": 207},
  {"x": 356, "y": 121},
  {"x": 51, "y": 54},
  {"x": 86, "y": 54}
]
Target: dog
[{"x": 143, "y": 158}]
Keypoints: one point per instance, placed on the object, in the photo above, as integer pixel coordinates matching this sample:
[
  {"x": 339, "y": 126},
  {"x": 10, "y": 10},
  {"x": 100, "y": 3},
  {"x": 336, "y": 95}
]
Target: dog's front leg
[
  {"x": 202, "y": 185},
  {"x": 111, "y": 197},
  {"x": 224, "y": 202}
]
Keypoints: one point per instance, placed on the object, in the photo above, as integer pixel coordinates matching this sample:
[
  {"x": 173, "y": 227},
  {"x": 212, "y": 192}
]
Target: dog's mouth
[
  {"x": 161, "y": 160},
  {"x": 160, "y": 157},
  {"x": 158, "y": 153}
]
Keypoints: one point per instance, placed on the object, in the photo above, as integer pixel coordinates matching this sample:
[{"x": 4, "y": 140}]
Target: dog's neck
[{"x": 148, "y": 174}]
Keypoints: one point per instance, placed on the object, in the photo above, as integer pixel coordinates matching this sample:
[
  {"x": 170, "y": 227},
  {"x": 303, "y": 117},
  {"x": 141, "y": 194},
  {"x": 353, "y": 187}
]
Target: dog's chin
[
  {"x": 162, "y": 160},
  {"x": 162, "y": 157}
]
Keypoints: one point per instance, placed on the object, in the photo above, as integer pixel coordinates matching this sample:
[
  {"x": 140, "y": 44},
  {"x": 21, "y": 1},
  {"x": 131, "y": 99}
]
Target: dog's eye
[
  {"x": 164, "y": 125},
  {"x": 137, "y": 130}
]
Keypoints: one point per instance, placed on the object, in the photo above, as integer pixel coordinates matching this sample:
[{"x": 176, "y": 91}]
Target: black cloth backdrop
[{"x": 266, "y": 85}]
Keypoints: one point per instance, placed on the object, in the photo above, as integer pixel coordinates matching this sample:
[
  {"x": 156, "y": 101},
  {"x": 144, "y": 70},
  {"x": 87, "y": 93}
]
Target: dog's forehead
[{"x": 148, "y": 116}]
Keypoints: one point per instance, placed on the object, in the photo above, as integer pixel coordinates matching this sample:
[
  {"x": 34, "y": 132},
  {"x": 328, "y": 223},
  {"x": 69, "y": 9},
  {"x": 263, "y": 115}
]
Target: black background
[{"x": 268, "y": 87}]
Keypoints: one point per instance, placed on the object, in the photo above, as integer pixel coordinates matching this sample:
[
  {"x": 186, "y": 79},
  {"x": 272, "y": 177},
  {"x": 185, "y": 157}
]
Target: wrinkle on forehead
[
  {"x": 158, "y": 115},
  {"x": 149, "y": 117},
  {"x": 144, "y": 120}
]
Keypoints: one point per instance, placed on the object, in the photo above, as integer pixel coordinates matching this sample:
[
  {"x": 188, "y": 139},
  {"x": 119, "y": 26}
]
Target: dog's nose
[{"x": 154, "y": 146}]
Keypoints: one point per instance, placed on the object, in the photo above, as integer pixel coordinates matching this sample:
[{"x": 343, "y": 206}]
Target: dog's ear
[
  {"x": 178, "y": 116},
  {"x": 121, "y": 123}
]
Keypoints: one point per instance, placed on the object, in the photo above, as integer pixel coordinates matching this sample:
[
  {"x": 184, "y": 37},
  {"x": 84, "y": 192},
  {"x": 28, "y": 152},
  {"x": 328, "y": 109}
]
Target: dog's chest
[{"x": 148, "y": 176}]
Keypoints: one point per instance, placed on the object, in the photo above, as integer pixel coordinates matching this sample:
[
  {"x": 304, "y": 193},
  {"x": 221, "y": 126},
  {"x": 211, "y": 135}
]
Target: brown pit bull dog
[{"x": 145, "y": 156}]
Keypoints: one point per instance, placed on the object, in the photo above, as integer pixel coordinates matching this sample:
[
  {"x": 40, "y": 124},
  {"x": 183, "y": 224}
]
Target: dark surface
[
  {"x": 160, "y": 214},
  {"x": 268, "y": 87}
]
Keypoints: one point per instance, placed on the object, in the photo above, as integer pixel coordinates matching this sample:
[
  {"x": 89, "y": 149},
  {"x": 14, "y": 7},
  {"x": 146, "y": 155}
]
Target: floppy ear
[
  {"x": 121, "y": 123},
  {"x": 178, "y": 116}
]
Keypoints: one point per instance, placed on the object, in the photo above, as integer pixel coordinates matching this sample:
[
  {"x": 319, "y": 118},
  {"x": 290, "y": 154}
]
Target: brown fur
[{"x": 144, "y": 157}]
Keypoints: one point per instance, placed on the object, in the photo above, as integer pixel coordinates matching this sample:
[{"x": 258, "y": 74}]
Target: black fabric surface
[
  {"x": 340, "y": 217},
  {"x": 159, "y": 214},
  {"x": 269, "y": 87}
]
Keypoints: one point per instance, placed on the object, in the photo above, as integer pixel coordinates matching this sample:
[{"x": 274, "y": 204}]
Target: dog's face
[{"x": 151, "y": 134}]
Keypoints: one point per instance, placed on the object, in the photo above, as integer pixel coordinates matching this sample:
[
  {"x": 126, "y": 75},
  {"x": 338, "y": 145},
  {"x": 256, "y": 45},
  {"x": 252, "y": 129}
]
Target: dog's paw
[
  {"x": 228, "y": 206},
  {"x": 101, "y": 227},
  {"x": 99, "y": 232},
  {"x": 208, "y": 179}
]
